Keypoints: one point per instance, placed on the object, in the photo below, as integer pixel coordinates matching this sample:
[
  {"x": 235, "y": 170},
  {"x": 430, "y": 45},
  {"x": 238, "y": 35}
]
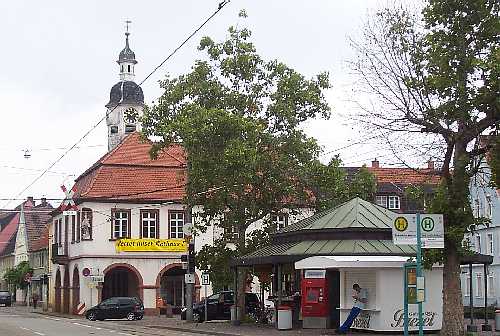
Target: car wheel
[
  {"x": 91, "y": 316},
  {"x": 131, "y": 316}
]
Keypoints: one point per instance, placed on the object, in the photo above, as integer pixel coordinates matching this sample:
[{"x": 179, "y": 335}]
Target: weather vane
[{"x": 127, "y": 23}]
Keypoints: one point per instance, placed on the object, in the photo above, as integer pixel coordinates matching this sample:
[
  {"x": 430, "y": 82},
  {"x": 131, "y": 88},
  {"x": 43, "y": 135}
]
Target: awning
[{"x": 325, "y": 262}]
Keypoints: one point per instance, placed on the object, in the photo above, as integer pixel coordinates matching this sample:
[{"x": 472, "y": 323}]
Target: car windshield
[{"x": 4, "y": 294}]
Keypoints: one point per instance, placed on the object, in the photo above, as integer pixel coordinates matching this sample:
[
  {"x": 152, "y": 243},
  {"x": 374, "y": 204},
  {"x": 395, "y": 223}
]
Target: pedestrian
[
  {"x": 360, "y": 298},
  {"x": 34, "y": 298}
]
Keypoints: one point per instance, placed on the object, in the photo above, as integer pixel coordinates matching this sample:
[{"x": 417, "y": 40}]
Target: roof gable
[{"x": 356, "y": 213}]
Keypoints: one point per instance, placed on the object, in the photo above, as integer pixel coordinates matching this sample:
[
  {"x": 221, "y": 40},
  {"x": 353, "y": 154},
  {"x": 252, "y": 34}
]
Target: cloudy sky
[{"x": 58, "y": 64}]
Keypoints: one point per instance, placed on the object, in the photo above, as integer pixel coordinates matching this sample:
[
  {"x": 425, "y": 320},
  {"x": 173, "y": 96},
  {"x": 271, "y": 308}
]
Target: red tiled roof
[
  {"x": 37, "y": 219},
  {"x": 406, "y": 176},
  {"x": 42, "y": 242},
  {"x": 128, "y": 173},
  {"x": 8, "y": 232}
]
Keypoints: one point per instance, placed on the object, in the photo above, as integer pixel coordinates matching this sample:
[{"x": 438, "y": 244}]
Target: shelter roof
[
  {"x": 356, "y": 213},
  {"x": 294, "y": 251}
]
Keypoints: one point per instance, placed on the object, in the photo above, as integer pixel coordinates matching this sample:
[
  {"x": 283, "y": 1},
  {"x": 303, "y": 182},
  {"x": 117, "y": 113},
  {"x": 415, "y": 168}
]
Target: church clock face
[{"x": 130, "y": 115}]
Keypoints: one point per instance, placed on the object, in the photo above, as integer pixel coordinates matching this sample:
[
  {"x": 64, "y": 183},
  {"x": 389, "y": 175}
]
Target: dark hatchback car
[
  {"x": 5, "y": 298},
  {"x": 219, "y": 306},
  {"x": 130, "y": 308}
]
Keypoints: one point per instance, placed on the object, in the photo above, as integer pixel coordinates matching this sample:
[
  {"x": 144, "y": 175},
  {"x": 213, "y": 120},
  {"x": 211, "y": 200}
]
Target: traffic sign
[
  {"x": 68, "y": 202},
  {"x": 404, "y": 230},
  {"x": 97, "y": 278},
  {"x": 432, "y": 229},
  {"x": 205, "y": 279},
  {"x": 189, "y": 278},
  {"x": 86, "y": 272}
]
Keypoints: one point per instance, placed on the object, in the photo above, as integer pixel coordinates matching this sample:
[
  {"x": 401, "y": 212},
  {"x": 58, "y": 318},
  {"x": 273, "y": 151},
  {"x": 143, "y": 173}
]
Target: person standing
[{"x": 360, "y": 298}]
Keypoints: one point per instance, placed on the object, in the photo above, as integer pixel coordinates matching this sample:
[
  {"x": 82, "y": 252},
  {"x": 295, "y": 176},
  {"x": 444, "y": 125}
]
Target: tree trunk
[{"x": 453, "y": 309}]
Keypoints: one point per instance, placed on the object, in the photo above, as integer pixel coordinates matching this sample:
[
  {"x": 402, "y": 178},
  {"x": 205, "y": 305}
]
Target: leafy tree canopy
[
  {"x": 238, "y": 118},
  {"x": 17, "y": 275}
]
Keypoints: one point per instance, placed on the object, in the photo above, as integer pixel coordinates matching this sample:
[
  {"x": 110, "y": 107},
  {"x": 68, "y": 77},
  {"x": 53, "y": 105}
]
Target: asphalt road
[{"x": 14, "y": 322}]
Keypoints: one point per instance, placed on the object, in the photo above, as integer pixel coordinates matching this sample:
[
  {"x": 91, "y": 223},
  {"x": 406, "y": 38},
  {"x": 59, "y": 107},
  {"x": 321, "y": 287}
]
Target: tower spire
[{"x": 126, "y": 59}]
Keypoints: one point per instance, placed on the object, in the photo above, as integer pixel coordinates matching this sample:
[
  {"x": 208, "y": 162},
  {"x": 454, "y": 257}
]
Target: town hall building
[{"x": 125, "y": 194}]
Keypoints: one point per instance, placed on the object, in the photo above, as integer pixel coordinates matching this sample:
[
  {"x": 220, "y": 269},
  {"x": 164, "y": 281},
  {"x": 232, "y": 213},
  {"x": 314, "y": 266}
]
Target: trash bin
[
  {"x": 497, "y": 320},
  {"x": 233, "y": 316},
  {"x": 284, "y": 318}
]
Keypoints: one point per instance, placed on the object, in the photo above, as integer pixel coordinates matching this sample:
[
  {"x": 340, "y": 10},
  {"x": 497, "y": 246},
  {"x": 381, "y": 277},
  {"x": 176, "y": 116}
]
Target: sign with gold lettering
[{"x": 151, "y": 245}]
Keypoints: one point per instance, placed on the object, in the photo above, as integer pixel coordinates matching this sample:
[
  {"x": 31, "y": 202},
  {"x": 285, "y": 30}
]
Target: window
[
  {"x": 56, "y": 231},
  {"x": 381, "y": 200},
  {"x": 467, "y": 285},
  {"x": 86, "y": 224},
  {"x": 489, "y": 238},
  {"x": 113, "y": 129},
  {"x": 176, "y": 221},
  {"x": 150, "y": 224},
  {"x": 477, "y": 208},
  {"x": 491, "y": 285},
  {"x": 120, "y": 224},
  {"x": 478, "y": 244},
  {"x": 78, "y": 228},
  {"x": 394, "y": 202},
  {"x": 281, "y": 221},
  {"x": 129, "y": 68},
  {"x": 130, "y": 128},
  {"x": 479, "y": 285},
  {"x": 59, "y": 231},
  {"x": 232, "y": 233},
  {"x": 489, "y": 207},
  {"x": 73, "y": 229}
]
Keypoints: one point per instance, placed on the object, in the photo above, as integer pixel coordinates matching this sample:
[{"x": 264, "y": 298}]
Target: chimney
[
  {"x": 30, "y": 199},
  {"x": 375, "y": 163},
  {"x": 430, "y": 164},
  {"x": 44, "y": 201}
]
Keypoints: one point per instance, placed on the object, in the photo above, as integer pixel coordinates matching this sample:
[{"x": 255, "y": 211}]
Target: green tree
[
  {"x": 332, "y": 185},
  {"x": 437, "y": 75},
  {"x": 17, "y": 275},
  {"x": 238, "y": 118}
]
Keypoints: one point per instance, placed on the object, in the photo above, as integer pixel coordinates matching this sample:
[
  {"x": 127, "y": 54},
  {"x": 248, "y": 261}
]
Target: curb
[{"x": 198, "y": 331}]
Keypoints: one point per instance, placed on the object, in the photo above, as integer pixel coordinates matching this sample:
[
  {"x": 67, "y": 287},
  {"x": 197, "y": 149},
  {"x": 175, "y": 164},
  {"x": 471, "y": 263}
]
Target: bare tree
[{"x": 432, "y": 80}]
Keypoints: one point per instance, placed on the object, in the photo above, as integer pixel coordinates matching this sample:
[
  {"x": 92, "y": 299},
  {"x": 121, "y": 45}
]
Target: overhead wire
[{"x": 219, "y": 8}]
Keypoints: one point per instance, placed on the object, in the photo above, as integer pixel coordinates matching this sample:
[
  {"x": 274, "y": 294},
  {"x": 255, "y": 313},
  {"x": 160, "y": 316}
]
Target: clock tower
[{"x": 126, "y": 99}]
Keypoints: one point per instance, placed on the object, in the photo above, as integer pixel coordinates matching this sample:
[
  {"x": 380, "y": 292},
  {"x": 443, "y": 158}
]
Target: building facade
[
  {"x": 484, "y": 239},
  {"x": 125, "y": 194}
]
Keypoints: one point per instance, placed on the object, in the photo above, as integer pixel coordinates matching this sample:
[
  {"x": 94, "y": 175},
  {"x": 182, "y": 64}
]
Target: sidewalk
[{"x": 225, "y": 328}]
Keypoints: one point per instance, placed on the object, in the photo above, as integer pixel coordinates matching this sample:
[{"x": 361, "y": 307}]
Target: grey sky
[{"x": 58, "y": 65}]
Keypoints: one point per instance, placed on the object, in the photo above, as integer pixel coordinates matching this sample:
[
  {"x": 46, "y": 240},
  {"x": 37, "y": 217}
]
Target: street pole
[
  {"x": 405, "y": 306},
  {"x": 206, "y": 304},
  {"x": 419, "y": 274},
  {"x": 189, "y": 289}
]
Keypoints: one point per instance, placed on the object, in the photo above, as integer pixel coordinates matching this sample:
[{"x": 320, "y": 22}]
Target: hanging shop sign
[{"x": 151, "y": 245}]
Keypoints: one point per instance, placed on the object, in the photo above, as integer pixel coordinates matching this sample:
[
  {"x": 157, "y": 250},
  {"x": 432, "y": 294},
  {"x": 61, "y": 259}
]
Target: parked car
[
  {"x": 117, "y": 308},
  {"x": 5, "y": 298},
  {"x": 219, "y": 306}
]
